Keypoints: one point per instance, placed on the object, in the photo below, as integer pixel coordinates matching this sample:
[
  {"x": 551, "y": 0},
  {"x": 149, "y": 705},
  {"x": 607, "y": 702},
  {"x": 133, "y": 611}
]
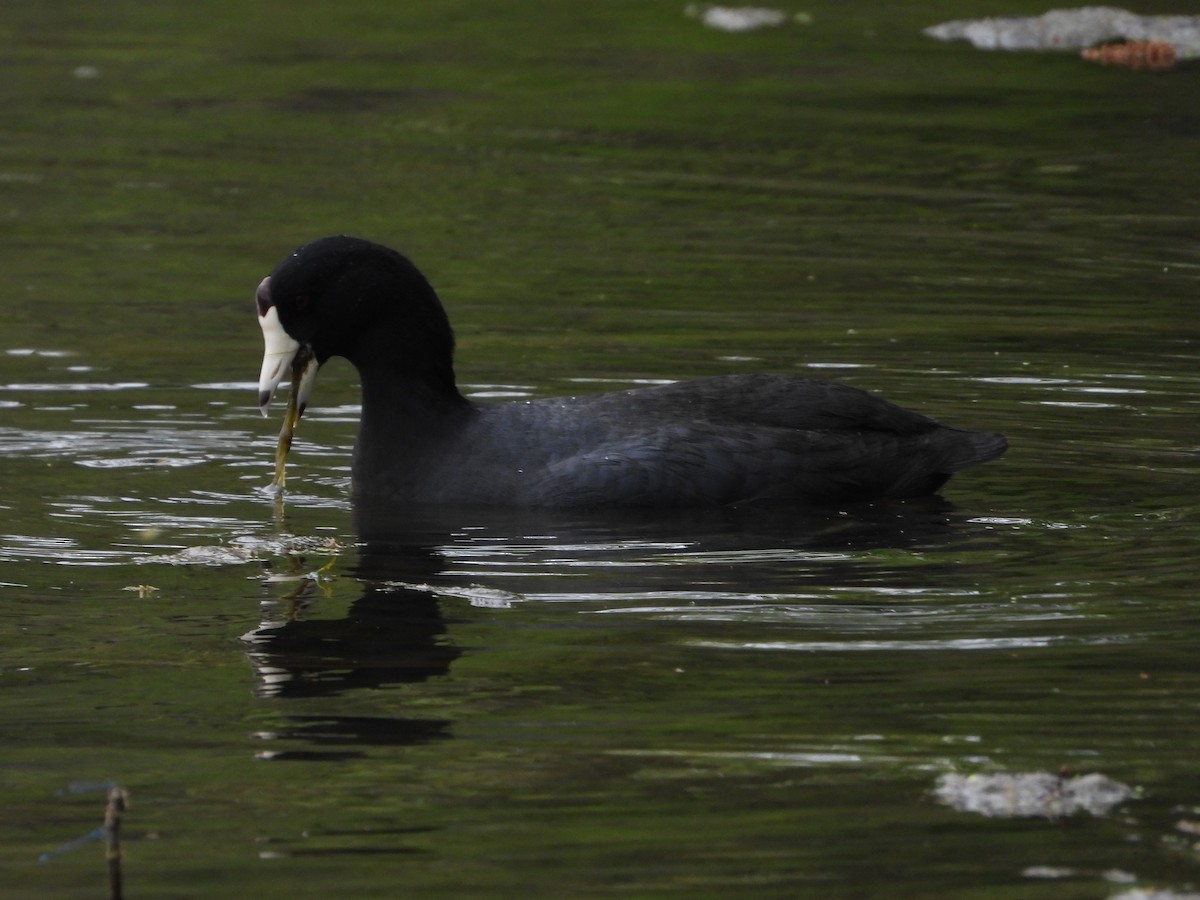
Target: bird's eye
[{"x": 302, "y": 302}]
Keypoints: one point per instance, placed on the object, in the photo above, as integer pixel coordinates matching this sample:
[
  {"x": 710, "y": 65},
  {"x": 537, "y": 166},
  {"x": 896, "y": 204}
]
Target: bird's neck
[
  {"x": 406, "y": 420},
  {"x": 398, "y": 398}
]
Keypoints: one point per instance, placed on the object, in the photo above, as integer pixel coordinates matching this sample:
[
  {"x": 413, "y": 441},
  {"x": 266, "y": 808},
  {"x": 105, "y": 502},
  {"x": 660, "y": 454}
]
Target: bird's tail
[{"x": 971, "y": 448}]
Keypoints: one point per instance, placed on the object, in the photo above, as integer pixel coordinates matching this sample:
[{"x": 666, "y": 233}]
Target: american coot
[{"x": 724, "y": 440}]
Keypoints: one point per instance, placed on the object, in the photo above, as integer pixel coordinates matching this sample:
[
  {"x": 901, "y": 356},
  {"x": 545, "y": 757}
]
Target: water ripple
[
  {"x": 127, "y": 444},
  {"x": 74, "y": 387},
  {"x": 992, "y": 643}
]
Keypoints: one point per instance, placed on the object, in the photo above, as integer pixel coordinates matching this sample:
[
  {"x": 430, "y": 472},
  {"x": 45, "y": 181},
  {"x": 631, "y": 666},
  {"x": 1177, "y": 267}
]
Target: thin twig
[{"x": 117, "y": 798}]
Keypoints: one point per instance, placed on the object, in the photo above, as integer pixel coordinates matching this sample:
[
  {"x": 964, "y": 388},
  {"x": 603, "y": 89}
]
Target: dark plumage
[{"x": 724, "y": 440}]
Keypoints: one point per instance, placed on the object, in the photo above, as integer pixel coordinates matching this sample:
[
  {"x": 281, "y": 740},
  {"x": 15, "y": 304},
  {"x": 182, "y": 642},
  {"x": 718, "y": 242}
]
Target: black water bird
[{"x": 732, "y": 439}]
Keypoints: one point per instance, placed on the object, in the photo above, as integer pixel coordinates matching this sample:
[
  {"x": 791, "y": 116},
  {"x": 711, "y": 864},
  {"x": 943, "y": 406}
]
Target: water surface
[{"x": 477, "y": 703}]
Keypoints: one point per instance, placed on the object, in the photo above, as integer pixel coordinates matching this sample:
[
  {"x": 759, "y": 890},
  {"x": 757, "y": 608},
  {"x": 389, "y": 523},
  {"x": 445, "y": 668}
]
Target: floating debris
[
  {"x": 245, "y": 549},
  {"x": 1074, "y": 29},
  {"x": 475, "y": 594},
  {"x": 1049, "y": 872},
  {"x": 1188, "y": 827},
  {"x": 736, "y": 18},
  {"x": 1134, "y": 54},
  {"x": 1022, "y": 794}
]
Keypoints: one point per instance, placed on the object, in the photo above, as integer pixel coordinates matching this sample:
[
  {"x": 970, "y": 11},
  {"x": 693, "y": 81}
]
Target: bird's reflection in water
[
  {"x": 395, "y": 633},
  {"x": 390, "y": 635}
]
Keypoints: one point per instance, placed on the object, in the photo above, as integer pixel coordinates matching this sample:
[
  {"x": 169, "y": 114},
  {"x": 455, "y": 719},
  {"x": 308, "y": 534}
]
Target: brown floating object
[{"x": 1133, "y": 54}]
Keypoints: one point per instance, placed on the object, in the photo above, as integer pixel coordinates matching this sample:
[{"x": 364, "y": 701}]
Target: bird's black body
[{"x": 724, "y": 440}]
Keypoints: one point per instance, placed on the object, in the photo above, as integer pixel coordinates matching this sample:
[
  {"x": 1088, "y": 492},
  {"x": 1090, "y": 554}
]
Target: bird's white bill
[
  {"x": 280, "y": 350},
  {"x": 303, "y": 383}
]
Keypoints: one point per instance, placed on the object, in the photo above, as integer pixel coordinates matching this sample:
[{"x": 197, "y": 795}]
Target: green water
[{"x": 501, "y": 704}]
